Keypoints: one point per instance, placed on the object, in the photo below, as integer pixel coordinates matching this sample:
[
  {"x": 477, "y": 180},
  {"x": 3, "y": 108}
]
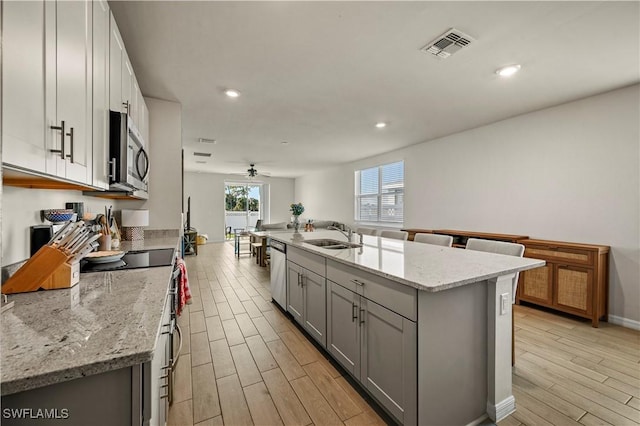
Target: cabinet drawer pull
[
  {"x": 62, "y": 135},
  {"x": 361, "y": 316},
  {"x": 70, "y": 134},
  {"x": 357, "y": 282},
  {"x": 354, "y": 312}
]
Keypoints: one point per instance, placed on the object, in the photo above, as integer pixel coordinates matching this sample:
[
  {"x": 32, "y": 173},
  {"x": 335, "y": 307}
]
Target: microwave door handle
[
  {"x": 137, "y": 163},
  {"x": 146, "y": 164}
]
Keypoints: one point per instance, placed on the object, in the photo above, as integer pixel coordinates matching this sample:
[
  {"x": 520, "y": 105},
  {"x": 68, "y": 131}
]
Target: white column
[{"x": 500, "y": 400}]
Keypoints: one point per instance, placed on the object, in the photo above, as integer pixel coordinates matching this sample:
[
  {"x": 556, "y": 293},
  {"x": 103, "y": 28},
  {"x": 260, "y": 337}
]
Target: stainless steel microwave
[{"x": 128, "y": 160}]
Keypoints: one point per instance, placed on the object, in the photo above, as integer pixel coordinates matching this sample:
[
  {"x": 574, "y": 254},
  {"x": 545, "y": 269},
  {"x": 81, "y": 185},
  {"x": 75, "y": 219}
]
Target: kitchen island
[
  {"x": 97, "y": 333},
  {"x": 425, "y": 330}
]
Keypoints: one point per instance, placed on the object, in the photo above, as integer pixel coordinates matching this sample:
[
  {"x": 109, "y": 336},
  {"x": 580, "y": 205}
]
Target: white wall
[
  {"x": 569, "y": 173},
  {"x": 207, "y": 201},
  {"x": 165, "y": 171},
  {"x": 21, "y": 209}
]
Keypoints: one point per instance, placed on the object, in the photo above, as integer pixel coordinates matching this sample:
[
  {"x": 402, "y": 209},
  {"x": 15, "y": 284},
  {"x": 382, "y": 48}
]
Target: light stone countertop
[
  {"x": 110, "y": 320},
  {"x": 426, "y": 267}
]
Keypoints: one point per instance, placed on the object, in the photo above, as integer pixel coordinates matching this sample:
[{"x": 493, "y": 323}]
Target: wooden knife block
[
  {"x": 66, "y": 276},
  {"x": 38, "y": 272}
]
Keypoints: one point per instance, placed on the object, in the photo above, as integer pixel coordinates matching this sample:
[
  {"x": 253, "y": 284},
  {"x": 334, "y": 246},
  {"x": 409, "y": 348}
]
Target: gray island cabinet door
[
  {"x": 315, "y": 312},
  {"x": 295, "y": 302},
  {"x": 343, "y": 330},
  {"x": 389, "y": 360}
]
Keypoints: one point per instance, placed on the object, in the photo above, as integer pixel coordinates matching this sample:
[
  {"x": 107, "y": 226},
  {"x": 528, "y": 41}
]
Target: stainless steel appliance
[
  {"x": 279, "y": 273},
  {"x": 133, "y": 260},
  {"x": 128, "y": 160}
]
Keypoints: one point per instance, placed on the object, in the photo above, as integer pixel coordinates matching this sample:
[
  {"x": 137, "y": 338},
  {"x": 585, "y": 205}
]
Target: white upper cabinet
[
  {"x": 46, "y": 64},
  {"x": 70, "y": 60},
  {"x": 124, "y": 91},
  {"x": 23, "y": 121},
  {"x": 101, "y": 18},
  {"x": 116, "y": 53}
]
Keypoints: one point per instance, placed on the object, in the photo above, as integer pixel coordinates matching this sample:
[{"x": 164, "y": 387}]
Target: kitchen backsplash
[{"x": 21, "y": 209}]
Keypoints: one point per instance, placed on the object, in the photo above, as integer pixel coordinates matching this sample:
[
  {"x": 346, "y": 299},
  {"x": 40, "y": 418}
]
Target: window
[{"x": 380, "y": 193}]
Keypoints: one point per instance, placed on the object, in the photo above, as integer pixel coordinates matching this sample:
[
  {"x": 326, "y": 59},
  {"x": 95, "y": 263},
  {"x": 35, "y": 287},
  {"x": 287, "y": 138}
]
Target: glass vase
[{"x": 296, "y": 223}]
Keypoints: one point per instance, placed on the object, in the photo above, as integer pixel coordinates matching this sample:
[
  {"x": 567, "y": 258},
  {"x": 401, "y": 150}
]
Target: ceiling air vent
[
  {"x": 202, "y": 154},
  {"x": 203, "y": 140},
  {"x": 448, "y": 43},
  {"x": 201, "y": 162}
]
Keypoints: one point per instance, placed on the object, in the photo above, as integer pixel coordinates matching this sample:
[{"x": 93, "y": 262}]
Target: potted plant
[{"x": 296, "y": 211}]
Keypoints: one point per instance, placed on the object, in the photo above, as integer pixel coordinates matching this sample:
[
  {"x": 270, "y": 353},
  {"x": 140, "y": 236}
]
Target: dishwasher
[{"x": 279, "y": 273}]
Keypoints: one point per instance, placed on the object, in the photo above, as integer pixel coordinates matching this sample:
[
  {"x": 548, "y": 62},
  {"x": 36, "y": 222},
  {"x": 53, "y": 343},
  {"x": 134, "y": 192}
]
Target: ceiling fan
[{"x": 252, "y": 173}]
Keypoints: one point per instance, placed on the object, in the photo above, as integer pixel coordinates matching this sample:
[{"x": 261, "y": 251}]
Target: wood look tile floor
[{"x": 244, "y": 362}]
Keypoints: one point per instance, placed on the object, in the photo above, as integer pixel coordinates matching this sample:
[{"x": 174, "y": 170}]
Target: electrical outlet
[{"x": 504, "y": 303}]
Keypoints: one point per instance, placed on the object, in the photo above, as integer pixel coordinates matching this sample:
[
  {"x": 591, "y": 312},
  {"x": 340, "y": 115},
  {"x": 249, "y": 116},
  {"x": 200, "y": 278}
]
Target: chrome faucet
[{"x": 348, "y": 234}]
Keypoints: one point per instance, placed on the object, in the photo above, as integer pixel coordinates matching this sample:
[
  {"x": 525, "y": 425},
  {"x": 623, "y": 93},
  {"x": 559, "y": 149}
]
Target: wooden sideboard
[{"x": 575, "y": 279}]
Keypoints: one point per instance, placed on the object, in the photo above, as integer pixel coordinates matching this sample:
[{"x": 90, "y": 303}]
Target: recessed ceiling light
[
  {"x": 508, "y": 71},
  {"x": 232, "y": 93},
  {"x": 381, "y": 125}
]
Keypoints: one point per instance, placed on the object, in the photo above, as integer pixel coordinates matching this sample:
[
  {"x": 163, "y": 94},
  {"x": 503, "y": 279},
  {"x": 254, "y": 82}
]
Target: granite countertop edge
[
  {"x": 71, "y": 373},
  {"x": 104, "y": 284},
  {"x": 286, "y": 237}
]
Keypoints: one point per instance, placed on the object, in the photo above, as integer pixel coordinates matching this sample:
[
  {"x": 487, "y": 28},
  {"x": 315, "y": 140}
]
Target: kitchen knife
[
  {"x": 87, "y": 248},
  {"x": 82, "y": 251},
  {"x": 80, "y": 232},
  {"x": 61, "y": 233},
  {"x": 80, "y": 240},
  {"x": 67, "y": 237}
]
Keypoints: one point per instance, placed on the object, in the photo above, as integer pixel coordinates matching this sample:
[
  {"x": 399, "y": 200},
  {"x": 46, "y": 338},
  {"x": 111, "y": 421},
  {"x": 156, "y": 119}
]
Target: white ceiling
[{"x": 321, "y": 74}]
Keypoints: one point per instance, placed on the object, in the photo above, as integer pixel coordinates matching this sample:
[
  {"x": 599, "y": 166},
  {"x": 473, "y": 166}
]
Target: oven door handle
[{"x": 176, "y": 358}]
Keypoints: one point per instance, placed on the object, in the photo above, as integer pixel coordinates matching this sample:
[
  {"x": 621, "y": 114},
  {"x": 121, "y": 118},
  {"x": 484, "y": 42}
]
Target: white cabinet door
[
  {"x": 72, "y": 90},
  {"x": 127, "y": 84},
  {"x": 389, "y": 349},
  {"x": 135, "y": 101},
  {"x": 343, "y": 330},
  {"x": 101, "y": 17},
  {"x": 145, "y": 121},
  {"x": 23, "y": 78},
  {"x": 116, "y": 53},
  {"x": 315, "y": 310}
]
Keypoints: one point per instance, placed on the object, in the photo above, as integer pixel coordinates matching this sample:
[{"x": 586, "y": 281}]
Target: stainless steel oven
[{"x": 128, "y": 159}]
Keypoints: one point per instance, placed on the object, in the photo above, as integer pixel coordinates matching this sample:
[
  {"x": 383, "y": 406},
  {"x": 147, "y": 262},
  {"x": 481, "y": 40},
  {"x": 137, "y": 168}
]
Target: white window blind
[{"x": 380, "y": 193}]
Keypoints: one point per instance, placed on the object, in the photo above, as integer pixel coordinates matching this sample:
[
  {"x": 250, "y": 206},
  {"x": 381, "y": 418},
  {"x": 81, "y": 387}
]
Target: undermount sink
[{"x": 332, "y": 244}]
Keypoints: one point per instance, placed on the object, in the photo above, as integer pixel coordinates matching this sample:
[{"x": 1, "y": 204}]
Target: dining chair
[
  {"x": 367, "y": 231},
  {"x": 509, "y": 249},
  {"x": 398, "y": 235},
  {"x": 435, "y": 239}
]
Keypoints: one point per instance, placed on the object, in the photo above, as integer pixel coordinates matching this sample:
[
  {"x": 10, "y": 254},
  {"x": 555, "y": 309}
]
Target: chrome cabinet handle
[
  {"x": 354, "y": 312},
  {"x": 62, "y": 135},
  {"x": 70, "y": 134},
  {"x": 361, "y": 316},
  {"x": 356, "y": 282}
]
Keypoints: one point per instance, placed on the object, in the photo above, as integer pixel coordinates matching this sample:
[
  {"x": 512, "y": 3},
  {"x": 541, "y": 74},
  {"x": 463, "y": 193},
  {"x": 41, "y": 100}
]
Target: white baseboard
[
  {"x": 502, "y": 409},
  {"x": 625, "y": 322}
]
